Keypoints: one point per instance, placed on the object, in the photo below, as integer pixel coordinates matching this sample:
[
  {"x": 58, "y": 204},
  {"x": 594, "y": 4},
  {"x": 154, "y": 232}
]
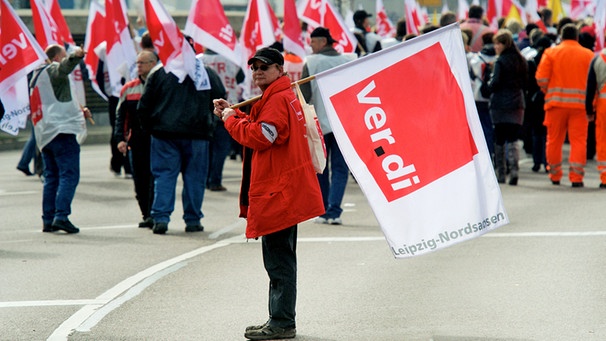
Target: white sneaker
[
  {"x": 334, "y": 221},
  {"x": 320, "y": 220}
]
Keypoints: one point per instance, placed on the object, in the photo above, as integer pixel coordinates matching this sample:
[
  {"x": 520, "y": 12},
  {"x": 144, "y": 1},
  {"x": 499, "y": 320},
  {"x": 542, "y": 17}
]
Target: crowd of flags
[{"x": 108, "y": 37}]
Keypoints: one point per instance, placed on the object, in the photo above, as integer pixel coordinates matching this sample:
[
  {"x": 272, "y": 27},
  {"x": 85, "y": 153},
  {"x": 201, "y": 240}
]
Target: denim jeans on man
[
  {"x": 219, "y": 148},
  {"x": 61, "y": 176},
  {"x": 334, "y": 179},
  {"x": 169, "y": 157}
]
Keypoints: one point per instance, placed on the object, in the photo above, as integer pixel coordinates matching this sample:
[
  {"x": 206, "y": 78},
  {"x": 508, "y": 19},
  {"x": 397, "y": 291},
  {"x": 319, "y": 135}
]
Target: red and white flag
[
  {"x": 321, "y": 13},
  {"x": 120, "y": 53},
  {"x": 208, "y": 26},
  {"x": 51, "y": 28},
  {"x": 462, "y": 9},
  {"x": 414, "y": 16},
  {"x": 21, "y": 54},
  {"x": 94, "y": 44},
  {"x": 426, "y": 193},
  {"x": 292, "y": 38},
  {"x": 385, "y": 27},
  {"x": 257, "y": 30},
  {"x": 174, "y": 50},
  {"x": 580, "y": 9},
  {"x": 49, "y": 24}
]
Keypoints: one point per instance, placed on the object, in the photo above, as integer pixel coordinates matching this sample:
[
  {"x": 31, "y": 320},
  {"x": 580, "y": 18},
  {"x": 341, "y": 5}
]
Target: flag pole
[{"x": 254, "y": 99}]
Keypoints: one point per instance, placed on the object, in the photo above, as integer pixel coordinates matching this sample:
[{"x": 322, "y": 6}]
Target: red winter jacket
[{"x": 284, "y": 189}]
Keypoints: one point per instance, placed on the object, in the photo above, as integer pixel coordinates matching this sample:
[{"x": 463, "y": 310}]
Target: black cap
[
  {"x": 360, "y": 15},
  {"x": 322, "y": 32},
  {"x": 268, "y": 56}
]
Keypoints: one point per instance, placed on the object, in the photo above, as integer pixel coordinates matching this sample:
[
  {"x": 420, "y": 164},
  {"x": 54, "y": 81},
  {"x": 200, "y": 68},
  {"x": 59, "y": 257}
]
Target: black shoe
[
  {"x": 513, "y": 181},
  {"x": 249, "y": 328},
  {"x": 160, "y": 228},
  {"x": 147, "y": 222},
  {"x": 194, "y": 228},
  {"x": 536, "y": 168},
  {"x": 577, "y": 184},
  {"x": 602, "y": 185},
  {"x": 65, "y": 225},
  {"x": 25, "y": 171},
  {"x": 555, "y": 182},
  {"x": 270, "y": 333},
  {"x": 217, "y": 188},
  {"x": 48, "y": 228}
]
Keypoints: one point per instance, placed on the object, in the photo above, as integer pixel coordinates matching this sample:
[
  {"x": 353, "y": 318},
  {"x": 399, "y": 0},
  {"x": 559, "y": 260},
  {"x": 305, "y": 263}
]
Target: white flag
[{"x": 422, "y": 163}]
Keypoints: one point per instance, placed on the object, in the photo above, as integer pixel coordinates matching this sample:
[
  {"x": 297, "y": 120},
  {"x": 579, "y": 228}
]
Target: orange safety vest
[{"x": 562, "y": 75}]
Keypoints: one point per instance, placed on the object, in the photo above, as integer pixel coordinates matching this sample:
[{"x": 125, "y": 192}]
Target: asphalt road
[{"x": 542, "y": 277}]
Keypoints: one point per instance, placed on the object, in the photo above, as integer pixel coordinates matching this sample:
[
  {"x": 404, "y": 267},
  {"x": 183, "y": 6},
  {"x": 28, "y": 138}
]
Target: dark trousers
[
  {"x": 139, "y": 155},
  {"x": 118, "y": 160},
  {"x": 280, "y": 260}
]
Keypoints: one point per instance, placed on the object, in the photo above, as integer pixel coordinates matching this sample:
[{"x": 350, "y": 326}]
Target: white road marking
[
  {"x": 238, "y": 224},
  {"x": 94, "y": 310},
  {"x": 7, "y": 194}
]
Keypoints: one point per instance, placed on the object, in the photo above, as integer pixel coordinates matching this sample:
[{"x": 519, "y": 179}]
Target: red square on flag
[{"x": 408, "y": 123}]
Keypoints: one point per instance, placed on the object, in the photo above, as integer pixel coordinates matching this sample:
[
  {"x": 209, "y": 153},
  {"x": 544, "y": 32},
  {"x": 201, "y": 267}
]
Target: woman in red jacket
[{"x": 279, "y": 185}]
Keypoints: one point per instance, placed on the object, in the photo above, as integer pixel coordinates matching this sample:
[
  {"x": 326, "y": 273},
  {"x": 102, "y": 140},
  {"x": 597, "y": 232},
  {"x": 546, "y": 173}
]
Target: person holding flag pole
[{"x": 276, "y": 152}]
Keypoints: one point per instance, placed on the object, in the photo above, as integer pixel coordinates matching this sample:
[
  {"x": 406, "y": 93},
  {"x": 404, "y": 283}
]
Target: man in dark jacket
[{"x": 180, "y": 120}]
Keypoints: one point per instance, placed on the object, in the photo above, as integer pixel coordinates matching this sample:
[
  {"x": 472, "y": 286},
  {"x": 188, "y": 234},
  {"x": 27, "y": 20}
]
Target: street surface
[{"x": 542, "y": 277}]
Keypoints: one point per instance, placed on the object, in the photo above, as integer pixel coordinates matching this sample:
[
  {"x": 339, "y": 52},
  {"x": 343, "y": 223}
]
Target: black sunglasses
[{"x": 262, "y": 67}]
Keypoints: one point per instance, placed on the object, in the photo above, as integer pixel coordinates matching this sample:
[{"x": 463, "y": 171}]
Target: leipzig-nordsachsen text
[{"x": 448, "y": 236}]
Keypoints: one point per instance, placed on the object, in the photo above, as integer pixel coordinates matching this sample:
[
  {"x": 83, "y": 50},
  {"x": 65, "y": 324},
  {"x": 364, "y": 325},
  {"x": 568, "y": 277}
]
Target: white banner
[{"x": 406, "y": 122}]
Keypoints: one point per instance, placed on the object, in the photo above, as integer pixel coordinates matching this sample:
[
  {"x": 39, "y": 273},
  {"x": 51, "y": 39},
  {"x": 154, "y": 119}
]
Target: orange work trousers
[{"x": 560, "y": 121}]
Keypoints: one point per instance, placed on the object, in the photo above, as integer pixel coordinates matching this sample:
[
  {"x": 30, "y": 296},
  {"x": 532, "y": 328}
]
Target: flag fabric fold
[
  {"x": 94, "y": 44},
  {"x": 173, "y": 49},
  {"x": 321, "y": 13},
  {"x": 421, "y": 205},
  {"x": 21, "y": 55},
  {"x": 292, "y": 38},
  {"x": 385, "y": 27},
  {"x": 120, "y": 52},
  {"x": 208, "y": 26},
  {"x": 51, "y": 28}
]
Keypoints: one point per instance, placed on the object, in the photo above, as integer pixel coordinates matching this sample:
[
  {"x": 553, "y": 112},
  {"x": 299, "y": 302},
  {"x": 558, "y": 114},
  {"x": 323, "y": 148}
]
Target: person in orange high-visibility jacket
[
  {"x": 562, "y": 76},
  {"x": 596, "y": 87}
]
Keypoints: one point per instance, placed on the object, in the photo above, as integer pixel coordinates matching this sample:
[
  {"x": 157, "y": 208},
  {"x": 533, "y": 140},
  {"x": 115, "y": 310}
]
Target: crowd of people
[{"x": 534, "y": 87}]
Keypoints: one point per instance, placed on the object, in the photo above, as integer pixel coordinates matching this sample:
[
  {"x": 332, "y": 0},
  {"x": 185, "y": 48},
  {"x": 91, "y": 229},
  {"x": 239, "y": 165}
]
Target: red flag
[
  {"x": 174, "y": 51},
  {"x": 208, "y": 26},
  {"x": 385, "y": 27},
  {"x": 94, "y": 43},
  {"x": 51, "y": 28},
  {"x": 292, "y": 39},
  {"x": 321, "y": 13},
  {"x": 404, "y": 185},
  {"x": 493, "y": 12},
  {"x": 20, "y": 55},
  {"x": 121, "y": 55},
  {"x": 413, "y": 16},
  {"x": 258, "y": 30}
]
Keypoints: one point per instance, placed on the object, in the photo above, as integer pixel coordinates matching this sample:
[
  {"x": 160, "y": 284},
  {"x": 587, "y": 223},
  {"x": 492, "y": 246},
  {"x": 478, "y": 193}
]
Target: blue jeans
[
  {"x": 333, "y": 182},
  {"x": 61, "y": 176},
  {"x": 169, "y": 157},
  {"x": 219, "y": 148},
  {"x": 29, "y": 153}
]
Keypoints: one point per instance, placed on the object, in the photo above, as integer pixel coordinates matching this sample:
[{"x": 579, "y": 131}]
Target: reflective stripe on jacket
[{"x": 562, "y": 75}]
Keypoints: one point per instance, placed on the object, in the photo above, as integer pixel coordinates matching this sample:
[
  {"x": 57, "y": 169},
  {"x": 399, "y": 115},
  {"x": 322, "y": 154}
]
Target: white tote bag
[{"x": 315, "y": 138}]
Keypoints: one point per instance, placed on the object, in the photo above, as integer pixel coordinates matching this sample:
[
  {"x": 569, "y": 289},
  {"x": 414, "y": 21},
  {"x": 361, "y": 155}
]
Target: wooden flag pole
[{"x": 254, "y": 99}]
